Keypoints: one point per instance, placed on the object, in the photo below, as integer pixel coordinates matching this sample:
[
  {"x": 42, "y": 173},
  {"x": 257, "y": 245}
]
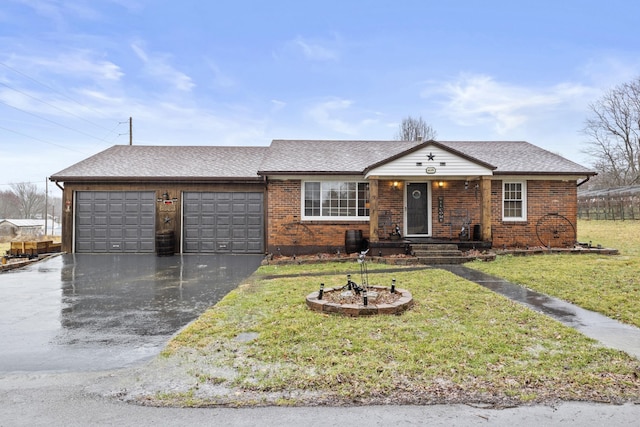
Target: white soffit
[{"x": 430, "y": 161}]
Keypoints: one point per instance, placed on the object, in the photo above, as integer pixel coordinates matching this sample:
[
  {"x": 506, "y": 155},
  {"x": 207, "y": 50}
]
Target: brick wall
[
  {"x": 288, "y": 235},
  {"x": 390, "y": 208},
  {"x": 456, "y": 202},
  {"x": 543, "y": 197}
]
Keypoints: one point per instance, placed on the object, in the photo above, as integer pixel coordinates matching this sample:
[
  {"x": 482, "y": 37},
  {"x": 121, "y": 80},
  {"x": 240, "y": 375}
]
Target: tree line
[{"x": 24, "y": 200}]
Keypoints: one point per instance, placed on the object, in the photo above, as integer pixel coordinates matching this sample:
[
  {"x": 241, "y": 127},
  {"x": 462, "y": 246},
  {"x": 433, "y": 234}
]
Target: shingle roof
[
  {"x": 309, "y": 156},
  {"x": 24, "y": 222},
  {"x": 127, "y": 162},
  {"x": 131, "y": 162},
  {"x": 518, "y": 157}
]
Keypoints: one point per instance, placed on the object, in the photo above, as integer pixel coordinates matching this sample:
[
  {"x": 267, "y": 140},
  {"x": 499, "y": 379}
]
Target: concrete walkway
[{"x": 609, "y": 332}]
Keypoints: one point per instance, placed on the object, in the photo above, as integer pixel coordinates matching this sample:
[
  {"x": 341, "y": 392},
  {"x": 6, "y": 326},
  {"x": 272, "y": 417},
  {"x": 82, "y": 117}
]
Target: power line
[
  {"x": 54, "y": 122},
  {"x": 109, "y": 131},
  {"x": 54, "y": 106},
  {"x": 49, "y": 87},
  {"x": 41, "y": 140}
]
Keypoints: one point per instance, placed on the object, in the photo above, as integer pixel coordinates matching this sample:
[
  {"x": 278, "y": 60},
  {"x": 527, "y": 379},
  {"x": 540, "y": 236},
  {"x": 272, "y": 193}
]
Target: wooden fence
[{"x": 610, "y": 204}]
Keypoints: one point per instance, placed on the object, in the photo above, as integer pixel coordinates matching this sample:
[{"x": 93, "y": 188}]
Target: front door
[{"x": 417, "y": 209}]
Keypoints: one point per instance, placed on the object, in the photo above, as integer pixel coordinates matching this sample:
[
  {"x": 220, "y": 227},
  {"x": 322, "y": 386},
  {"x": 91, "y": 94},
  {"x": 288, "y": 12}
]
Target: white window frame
[
  {"x": 329, "y": 218},
  {"x": 523, "y": 200}
]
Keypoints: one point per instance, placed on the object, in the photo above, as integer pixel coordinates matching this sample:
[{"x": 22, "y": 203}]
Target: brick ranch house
[{"x": 304, "y": 196}]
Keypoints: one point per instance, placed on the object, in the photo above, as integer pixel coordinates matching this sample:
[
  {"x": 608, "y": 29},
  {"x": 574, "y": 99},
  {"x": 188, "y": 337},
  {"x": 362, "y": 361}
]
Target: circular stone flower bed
[{"x": 380, "y": 300}]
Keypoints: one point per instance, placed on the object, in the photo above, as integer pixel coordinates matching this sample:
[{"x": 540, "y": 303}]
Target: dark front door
[{"x": 417, "y": 208}]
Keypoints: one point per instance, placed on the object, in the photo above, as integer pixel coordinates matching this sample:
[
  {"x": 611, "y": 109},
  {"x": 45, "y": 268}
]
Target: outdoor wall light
[
  {"x": 466, "y": 185},
  {"x": 395, "y": 185},
  {"x": 165, "y": 195},
  {"x": 440, "y": 184}
]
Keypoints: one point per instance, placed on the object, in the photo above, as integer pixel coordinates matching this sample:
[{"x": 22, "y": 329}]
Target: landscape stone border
[{"x": 404, "y": 303}]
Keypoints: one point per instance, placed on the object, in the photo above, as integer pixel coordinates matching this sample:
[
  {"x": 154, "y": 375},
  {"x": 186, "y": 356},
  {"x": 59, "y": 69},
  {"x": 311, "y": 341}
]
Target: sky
[{"x": 194, "y": 72}]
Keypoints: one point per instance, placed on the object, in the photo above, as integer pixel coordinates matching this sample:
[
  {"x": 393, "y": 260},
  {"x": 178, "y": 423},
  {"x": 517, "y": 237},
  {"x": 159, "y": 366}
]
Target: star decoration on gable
[{"x": 431, "y": 156}]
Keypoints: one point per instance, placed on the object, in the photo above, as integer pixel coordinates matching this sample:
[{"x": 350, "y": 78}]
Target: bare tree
[
  {"x": 415, "y": 129},
  {"x": 30, "y": 199},
  {"x": 9, "y": 205},
  {"x": 613, "y": 129}
]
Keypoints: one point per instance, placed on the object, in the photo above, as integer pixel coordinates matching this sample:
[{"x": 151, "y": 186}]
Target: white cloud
[
  {"x": 158, "y": 67},
  {"x": 472, "y": 100},
  {"x": 220, "y": 79},
  {"x": 315, "y": 50},
  {"x": 80, "y": 63},
  {"x": 337, "y": 116},
  {"x": 277, "y": 105}
]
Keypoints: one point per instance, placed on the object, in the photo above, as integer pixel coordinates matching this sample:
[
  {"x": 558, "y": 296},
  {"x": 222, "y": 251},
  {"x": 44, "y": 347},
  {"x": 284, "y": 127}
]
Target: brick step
[
  {"x": 434, "y": 247},
  {"x": 431, "y": 260},
  {"x": 432, "y": 253}
]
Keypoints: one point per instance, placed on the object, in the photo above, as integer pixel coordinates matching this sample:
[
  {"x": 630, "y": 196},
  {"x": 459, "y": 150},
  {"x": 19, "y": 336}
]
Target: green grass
[
  {"x": 607, "y": 284},
  {"x": 459, "y": 343}
]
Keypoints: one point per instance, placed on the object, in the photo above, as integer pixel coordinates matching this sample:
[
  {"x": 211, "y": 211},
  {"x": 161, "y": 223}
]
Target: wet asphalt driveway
[{"x": 97, "y": 312}]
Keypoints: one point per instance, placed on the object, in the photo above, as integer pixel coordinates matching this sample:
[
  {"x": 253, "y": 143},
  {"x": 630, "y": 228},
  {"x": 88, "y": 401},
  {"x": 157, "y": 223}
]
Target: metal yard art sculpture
[{"x": 362, "y": 299}]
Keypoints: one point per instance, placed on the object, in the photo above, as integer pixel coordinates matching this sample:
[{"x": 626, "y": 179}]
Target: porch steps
[{"x": 438, "y": 253}]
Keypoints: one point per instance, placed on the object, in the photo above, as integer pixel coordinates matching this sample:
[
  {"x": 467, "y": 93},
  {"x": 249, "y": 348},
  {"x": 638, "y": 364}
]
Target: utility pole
[
  {"x": 130, "y": 130},
  {"x": 46, "y": 205}
]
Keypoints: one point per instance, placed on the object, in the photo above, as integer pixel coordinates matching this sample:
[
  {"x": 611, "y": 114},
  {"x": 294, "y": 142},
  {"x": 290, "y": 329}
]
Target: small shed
[{"x": 21, "y": 227}]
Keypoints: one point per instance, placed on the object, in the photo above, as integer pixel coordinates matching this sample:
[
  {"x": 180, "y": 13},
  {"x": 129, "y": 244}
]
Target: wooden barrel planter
[
  {"x": 165, "y": 243},
  {"x": 352, "y": 241}
]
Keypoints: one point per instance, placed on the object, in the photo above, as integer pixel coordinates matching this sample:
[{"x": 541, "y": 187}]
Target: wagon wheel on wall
[{"x": 555, "y": 230}]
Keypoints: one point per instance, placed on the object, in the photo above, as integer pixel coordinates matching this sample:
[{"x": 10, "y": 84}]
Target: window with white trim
[
  {"x": 514, "y": 200},
  {"x": 335, "y": 200}
]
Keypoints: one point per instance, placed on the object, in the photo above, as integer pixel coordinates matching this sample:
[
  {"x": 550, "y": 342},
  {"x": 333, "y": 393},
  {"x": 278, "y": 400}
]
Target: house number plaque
[{"x": 440, "y": 209}]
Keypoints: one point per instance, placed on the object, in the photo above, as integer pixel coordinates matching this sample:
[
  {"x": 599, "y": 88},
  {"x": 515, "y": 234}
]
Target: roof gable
[{"x": 431, "y": 158}]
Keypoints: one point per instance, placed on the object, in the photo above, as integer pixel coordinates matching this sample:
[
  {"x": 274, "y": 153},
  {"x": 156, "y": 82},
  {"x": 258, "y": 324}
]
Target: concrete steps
[{"x": 439, "y": 253}]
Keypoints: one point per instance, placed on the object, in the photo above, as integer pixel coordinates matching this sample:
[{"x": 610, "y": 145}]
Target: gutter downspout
[{"x": 584, "y": 181}]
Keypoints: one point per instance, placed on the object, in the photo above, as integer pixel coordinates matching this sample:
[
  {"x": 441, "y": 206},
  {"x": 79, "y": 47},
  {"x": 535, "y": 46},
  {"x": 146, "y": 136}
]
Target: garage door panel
[
  {"x": 115, "y": 221},
  {"x": 96, "y": 247},
  {"x": 255, "y": 220},
  {"x": 99, "y": 233},
  {"x": 254, "y": 233},
  {"x": 223, "y": 233},
  {"x": 131, "y": 220},
  {"x": 147, "y": 237},
  {"x": 239, "y": 233},
  {"x": 224, "y": 208},
  {"x": 221, "y": 222}
]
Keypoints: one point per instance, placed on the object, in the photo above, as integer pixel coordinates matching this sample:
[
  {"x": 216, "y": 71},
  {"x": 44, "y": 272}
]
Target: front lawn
[
  {"x": 603, "y": 283},
  {"x": 459, "y": 343}
]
